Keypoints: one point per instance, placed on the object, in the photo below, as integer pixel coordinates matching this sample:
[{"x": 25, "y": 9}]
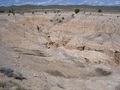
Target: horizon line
[{"x": 58, "y": 5}]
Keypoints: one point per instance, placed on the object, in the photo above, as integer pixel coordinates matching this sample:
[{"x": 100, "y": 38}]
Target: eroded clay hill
[{"x": 61, "y": 51}]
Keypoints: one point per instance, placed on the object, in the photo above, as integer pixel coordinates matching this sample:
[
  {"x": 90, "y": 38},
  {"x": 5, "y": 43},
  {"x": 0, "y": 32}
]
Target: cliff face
[{"x": 81, "y": 50}]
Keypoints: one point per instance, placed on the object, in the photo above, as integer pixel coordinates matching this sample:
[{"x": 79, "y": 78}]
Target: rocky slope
[{"x": 61, "y": 51}]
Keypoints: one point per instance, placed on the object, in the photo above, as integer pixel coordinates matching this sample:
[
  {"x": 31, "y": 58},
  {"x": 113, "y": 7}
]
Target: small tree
[
  {"x": 77, "y": 11},
  {"x": 99, "y": 10}
]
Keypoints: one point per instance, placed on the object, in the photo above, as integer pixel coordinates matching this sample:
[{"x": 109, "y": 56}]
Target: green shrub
[
  {"x": 99, "y": 10},
  {"x": 45, "y": 12},
  {"x": 60, "y": 21},
  {"x": 63, "y": 18},
  {"x": 11, "y": 11},
  {"x": 58, "y": 11},
  {"x": 2, "y": 11},
  {"x": 77, "y": 11}
]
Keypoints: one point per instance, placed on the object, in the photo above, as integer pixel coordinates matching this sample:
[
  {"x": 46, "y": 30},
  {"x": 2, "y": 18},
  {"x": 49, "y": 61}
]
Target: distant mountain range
[
  {"x": 64, "y": 7},
  {"x": 61, "y": 2}
]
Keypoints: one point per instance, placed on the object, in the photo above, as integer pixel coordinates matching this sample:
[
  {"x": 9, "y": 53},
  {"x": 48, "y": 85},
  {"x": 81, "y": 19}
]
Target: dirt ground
[{"x": 60, "y": 51}]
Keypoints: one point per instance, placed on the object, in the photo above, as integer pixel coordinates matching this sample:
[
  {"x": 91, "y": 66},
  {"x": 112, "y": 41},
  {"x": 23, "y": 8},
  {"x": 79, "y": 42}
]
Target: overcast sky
[{"x": 60, "y": 2}]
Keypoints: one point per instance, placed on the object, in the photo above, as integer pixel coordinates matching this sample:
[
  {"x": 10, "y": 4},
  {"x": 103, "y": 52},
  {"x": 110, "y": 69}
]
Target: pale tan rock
[{"x": 80, "y": 53}]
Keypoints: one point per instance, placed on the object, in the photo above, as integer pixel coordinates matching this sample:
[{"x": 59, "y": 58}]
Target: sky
[{"x": 61, "y": 2}]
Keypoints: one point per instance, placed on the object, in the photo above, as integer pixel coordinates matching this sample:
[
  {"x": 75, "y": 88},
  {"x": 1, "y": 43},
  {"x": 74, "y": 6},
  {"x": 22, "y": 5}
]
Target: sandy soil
[{"x": 77, "y": 52}]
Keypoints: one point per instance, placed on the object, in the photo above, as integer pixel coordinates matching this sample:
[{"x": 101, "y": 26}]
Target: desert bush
[
  {"x": 99, "y": 10},
  {"x": 51, "y": 20},
  {"x": 45, "y": 12},
  {"x": 32, "y": 12},
  {"x": 73, "y": 15},
  {"x": 60, "y": 21},
  {"x": 77, "y": 11},
  {"x": 38, "y": 28},
  {"x": 2, "y": 11},
  {"x": 63, "y": 18},
  {"x": 58, "y": 11},
  {"x": 11, "y": 11},
  {"x": 117, "y": 16},
  {"x": 48, "y": 36}
]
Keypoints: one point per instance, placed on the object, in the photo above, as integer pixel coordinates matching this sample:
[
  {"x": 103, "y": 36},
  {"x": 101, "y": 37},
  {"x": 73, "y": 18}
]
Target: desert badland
[{"x": 60, "y": 51}]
